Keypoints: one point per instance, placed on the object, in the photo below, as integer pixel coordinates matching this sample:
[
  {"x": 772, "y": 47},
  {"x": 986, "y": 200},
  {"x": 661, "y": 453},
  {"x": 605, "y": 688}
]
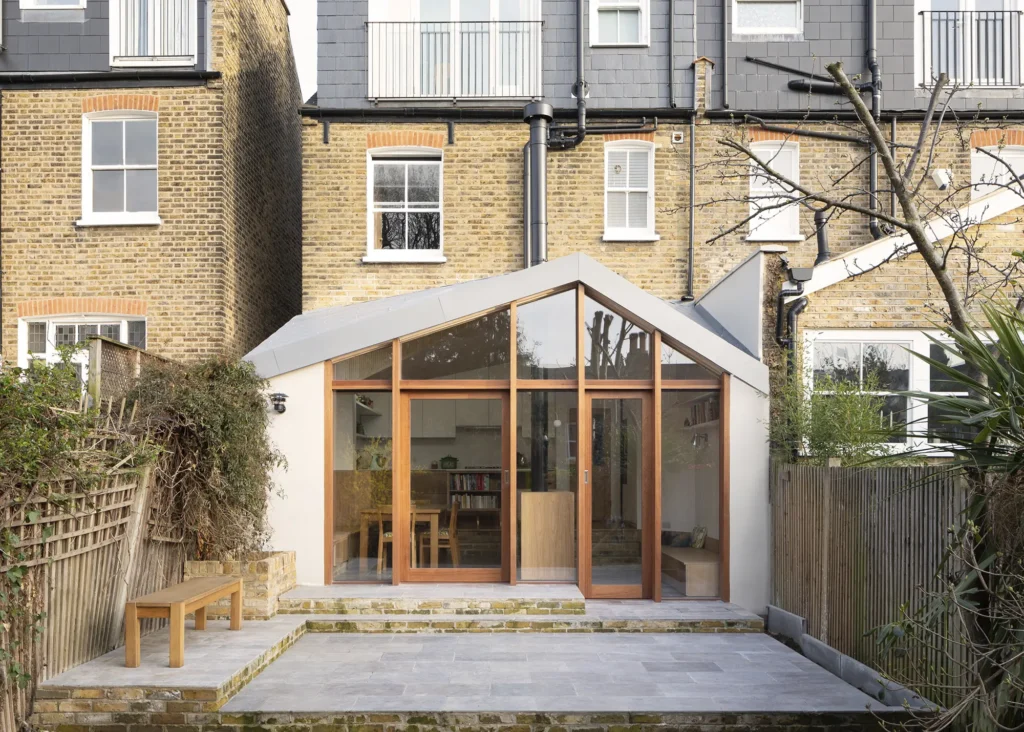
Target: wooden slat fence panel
[{"x": 850, "y": 545}]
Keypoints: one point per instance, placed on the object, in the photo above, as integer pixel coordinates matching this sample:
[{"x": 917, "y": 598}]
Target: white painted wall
[
  {"x": 297, "y": 515},
  {"x": 749, "y": 517}
]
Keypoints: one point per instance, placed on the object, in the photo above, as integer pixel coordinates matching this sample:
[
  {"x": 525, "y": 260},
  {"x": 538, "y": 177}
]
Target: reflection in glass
[
  {"x": 690, "y": 473},
  {"x": 546, "y": 338},
  {"x": 889, "y": 364},
  {"x": 363, "y": 529},
  {"x": 375, "y": 365},
  {"x": 546, "y": 440},
  {"x": 938, "y": 381},
  {"x": 455, "y": 481},
  {"x": 479, "y": 349},
  {"x": 837, "y": 361},
  {"x": 616, "y": 461},
  {"x": 676, "y": 366},
  {"x": 614, "y": 348}
]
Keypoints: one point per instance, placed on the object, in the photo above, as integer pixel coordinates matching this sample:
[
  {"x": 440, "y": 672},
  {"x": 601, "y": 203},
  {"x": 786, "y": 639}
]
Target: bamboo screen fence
[{"x": 851, "y": 545}]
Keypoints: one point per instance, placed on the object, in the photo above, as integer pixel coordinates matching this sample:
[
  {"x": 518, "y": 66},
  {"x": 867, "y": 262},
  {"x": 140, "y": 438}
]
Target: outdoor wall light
[
  {"x": 278, "y": 399},
  {"x": 942, "y": 177}
]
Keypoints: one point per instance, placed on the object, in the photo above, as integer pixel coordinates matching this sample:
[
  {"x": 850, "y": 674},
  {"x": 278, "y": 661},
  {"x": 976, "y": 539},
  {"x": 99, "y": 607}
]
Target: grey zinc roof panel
[{"x": 330, "y": 332}]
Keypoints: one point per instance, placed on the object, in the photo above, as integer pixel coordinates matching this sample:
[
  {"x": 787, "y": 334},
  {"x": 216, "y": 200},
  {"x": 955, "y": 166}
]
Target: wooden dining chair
[
  {"x": 446, "y": 538},
  {"x": 388, "y": 537}
]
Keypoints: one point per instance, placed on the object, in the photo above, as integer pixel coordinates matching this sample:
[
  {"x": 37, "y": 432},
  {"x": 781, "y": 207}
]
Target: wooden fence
[{"x": 851, "y": 545}]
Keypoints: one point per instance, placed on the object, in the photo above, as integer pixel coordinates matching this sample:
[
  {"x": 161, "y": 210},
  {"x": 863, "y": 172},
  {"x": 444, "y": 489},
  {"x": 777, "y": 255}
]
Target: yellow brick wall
[
  {"x": 175, "y": 268},
  {"x": 262, "y": 171}
]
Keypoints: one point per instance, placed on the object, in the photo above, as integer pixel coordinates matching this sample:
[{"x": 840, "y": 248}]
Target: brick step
[
  {"x": 529, "y": 623},
  {"x": 420, "y": 607}
]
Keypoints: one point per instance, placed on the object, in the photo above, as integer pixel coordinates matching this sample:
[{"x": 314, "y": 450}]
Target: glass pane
[
  {"x": 372, "y": 365},
  {"x": 479, "y": 349},
  {"x": 613, "y": 347},
  {"x": 629, "y": 26},
  {"x": 137, "y": 333},
  {"x": 761, "y": 15},
  {"x": 889, "y": 363},
  {"x": 675, "y": 365},
  {"x": 546, "y": 338},
  {"x": 837, "y": 361},
  {"x": 690, "y": 472},
  {"x": 84, "y": 331},
  {"x": 65, "y": 335},
  {"x": 943, "y": 426},
  {"x": 616, "y": 467},
  {"x": 607, "y": 26},
  {"x": 638, "y": 171},
  {"x": 894, "y": 417},
  {"x": 618, "y": 163},
  {"x": 617, "y": 218},
  {"x": 546, "y": 483},
  {"x": 140, "y": 142},
  {"x": 107, "y": 143},
  {"x": 637, "y": 218},
  {"x": 456, "y": 479},
  {"x": 363, "y": 531},
  {"x": 425, "y": 184},
  {"x": 424, "y": 230},
  {"x": 388, "y": 183},
  {"x": 938, "y": 381},
  {"x": 107, "y": 190},
  {"x": 390, "y": 228},
  {"x": 111, "y": 331},
  {"x": 37, "y": 337},
  {"x": 141, "y": 190}
]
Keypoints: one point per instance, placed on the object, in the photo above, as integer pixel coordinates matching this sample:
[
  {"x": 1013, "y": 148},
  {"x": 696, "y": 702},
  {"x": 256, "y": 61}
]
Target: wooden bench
[
  {"x": 173, "y": 603},
  {"x": 698, "y": 568}
]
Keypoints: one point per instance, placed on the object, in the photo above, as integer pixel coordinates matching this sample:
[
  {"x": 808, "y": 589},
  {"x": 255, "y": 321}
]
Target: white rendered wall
[
  {"x": 296, "y": 516},
  {"x": 749, "y": 514}
]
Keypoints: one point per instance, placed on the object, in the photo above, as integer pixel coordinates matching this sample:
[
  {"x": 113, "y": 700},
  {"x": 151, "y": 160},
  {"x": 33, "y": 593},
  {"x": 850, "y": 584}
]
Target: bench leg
[
  {"x": 177, "y": 634},
  {"x": 132, "y": 650},
  {"x": 200, "y": 618},
  {"x": 236, "y": 608}
]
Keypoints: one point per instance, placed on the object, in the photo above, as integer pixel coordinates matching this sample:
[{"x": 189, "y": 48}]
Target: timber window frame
[
  {"x": 134, "y": 167},
  {"x": 623, "y": 188}
]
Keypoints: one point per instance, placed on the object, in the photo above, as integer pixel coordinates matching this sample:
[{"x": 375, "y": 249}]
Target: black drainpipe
[
  {"x": 876, "y": 110},
  {"x": 579, "y": 89},
  {"x": 821, "y": 229},
  {"x": 725, "y": 53},
  {"x": 539, "y": 116},
  {"x": 527, "y": 190},
  {"x": 892, "y": 152}
]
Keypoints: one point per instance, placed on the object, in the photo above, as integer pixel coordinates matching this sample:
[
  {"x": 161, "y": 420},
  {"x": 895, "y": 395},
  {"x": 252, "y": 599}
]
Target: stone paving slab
[
  {"x": 438, "y": 591},
  {"x": 744, "y": 672}
]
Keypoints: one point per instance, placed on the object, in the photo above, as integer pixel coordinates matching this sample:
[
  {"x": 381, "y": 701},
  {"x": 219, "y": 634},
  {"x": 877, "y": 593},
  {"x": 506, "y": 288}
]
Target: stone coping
[{"x": 439, "y": 591}]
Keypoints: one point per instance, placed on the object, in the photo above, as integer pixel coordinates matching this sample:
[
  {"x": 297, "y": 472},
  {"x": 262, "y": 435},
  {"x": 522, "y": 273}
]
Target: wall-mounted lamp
[{"x": 278, "y": 399}]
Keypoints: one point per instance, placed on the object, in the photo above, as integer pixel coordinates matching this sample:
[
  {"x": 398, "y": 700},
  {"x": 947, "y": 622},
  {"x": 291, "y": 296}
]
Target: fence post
[
  {"x": 94, "y": 388},
  {"x": 131, "y": 549}
]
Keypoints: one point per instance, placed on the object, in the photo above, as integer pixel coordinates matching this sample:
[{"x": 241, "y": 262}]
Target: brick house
[{"x": 151, "y": 178}]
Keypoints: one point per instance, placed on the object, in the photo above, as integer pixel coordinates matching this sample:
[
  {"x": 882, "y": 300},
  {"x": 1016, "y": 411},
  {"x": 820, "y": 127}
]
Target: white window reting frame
[
  {"x": 642, "y": 7},
  {"x": 774, "y": 224},
  {"x": 916, "y": 341},
  {"x": 418, "y": 155},
  {"x": 625, "y": 150},
  {"x": 989, "y": 175},
  {"x": 738, "y": 12},
  {"x": 51, "y": 354},
  {"x": 188, "y": 36},
  {"x": 115, "y": 218}
]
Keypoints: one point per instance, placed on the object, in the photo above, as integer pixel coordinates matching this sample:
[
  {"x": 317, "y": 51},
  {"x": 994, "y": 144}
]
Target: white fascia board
[{"x": 864, "y": 259}]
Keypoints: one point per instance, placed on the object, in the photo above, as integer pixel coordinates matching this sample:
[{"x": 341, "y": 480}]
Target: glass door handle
[{"x": 507, "y": 482}]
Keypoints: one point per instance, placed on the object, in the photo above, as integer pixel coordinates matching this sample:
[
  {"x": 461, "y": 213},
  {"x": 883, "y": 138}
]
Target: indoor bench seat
[
  {"x": 174, "y": 603},
  {"x": 697, "y": 568}
]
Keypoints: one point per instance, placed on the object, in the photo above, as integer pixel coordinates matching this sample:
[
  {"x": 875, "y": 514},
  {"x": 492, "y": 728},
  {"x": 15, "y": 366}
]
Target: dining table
[{"x": 424, "y": 515}]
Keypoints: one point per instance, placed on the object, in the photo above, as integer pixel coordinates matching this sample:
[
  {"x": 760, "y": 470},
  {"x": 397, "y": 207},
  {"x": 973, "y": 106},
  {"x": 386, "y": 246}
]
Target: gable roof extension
[
  {"x": 868, "y": 257},
  {"x": 331, "y": 332}
]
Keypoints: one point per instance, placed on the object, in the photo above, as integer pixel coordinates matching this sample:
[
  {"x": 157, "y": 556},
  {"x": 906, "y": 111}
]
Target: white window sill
[
  {"x": 150, "y": 219},
  {"x": 152, "y": 61},
  {"x": 68, "y": 6},
  {"x": 628, "y": 236},
  {"x": 780, "y": 237},
  {"x": 404, "y": 257},
  {"x": 620, "y": 45}
]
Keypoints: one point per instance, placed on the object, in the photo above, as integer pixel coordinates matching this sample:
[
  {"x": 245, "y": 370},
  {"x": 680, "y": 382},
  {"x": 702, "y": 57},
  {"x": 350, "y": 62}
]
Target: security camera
[{"x": 942, "y": 177}]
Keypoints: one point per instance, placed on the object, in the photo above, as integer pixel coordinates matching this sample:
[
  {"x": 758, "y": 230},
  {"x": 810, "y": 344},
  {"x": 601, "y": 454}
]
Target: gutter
[
  {"x": 483, "y": 114},
  {"x": 82, "y": 77}
]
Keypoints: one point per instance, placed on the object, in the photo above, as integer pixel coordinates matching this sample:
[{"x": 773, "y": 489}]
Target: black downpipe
[
  {"x": 791, "y": 320},
  {"x": 579, "y": 89},
  {"x": 822, "y": 87},
  {"x": 527, "y": 189},
  {"x": 725, "y": 53},
  {"x": 892, "y": 151},
  {"x": 876, "y": 111},
  {"x": 672, "y": 54},
  {"x": 821, "y": 229},
  {"x": 693, "y": 207},
  {"x": 786, "y": 336},
  {"x": 538, "y": 115}
]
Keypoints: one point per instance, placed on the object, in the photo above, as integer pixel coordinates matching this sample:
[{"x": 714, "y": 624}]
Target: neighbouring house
[
  {"x": 151, "y": 187},
  {"x": 537, "y": 325}
]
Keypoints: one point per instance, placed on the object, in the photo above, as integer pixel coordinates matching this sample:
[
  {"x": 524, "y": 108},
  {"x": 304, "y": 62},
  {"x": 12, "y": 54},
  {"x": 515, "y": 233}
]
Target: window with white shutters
[
  {"x": 773, "y": 218},
  {"x": 629, "y": 191}
]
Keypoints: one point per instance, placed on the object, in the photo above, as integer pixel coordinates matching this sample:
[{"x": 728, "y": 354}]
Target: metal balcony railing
[
  {"x": 155, "y": 32},
  {"x": 972, "y": 47},
  {"x": 456, "y": 60}
]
